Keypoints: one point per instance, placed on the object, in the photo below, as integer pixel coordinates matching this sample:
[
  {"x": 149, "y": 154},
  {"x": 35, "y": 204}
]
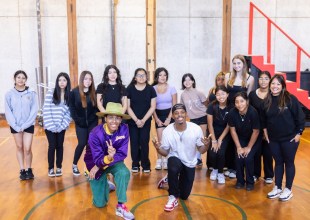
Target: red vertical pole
[
  {"x": 250, "y": 29},
  {"x": 268, "y": 41},
  {"x": 298, "y": 61}
]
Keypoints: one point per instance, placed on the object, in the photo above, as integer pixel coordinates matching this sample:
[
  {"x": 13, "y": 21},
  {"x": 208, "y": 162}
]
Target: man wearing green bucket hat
[{"x": 107, "y": 150}]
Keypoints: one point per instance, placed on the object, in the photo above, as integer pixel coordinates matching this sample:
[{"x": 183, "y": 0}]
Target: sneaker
[
  {"x": 213, "y": 174},
  {"x": 58, "y": 172},
  {"x": 29, "y": 174},
  {"x": 255, "y": 179},
  {"x": 162, "y": 182},
  {"x": 268, "y": 180},
  {"x": 51, "y": 172},
  {"x": 171, "y": 204},
  {"x": 122, "y": 211},
  {"x": 249, "y": 187},
  {"x": 239, "y": 186},
  {"x": 22, "y": 175},
  {"x": 135, "y": 170},
  {"x": 232, "y": 174},
  {"x": 75, "y": 171},
  {"x": 285, "y": 195},
  {"x": 226, "y": 173},
  {"x": 220, "y": 178},
  {"x": 158, "y": 164},
  {"x": 111, "y": 186},
  {"x": 211, "y": 168},
  {"x": 165, "y": 164},
  {"x": 199, "y": 163},
  {"x": 274, "y": 193},
  {"x": 146, "y": 170}
]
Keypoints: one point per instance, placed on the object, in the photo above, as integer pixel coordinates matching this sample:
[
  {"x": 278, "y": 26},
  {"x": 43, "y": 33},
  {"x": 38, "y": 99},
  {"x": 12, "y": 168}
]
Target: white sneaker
[
  {"x": 213, "y": 174},
  {"x": 268, "y": 180},
  {"x": 162, "y": 182},
  {"x": 158, "y": 164},
  {"x": 226, "y": 173},
  {"x": 171, "y": 204},
  {"x": 220, "y": 178},
  {"x": 232, "y": 174},
  {"x": 285, "y": 195},
  {"x": 122, "y": 211},
  {"x": 165, "y": 164},
  {"x": 111, "y": 186},
  {"x": 274, "y": 193}
]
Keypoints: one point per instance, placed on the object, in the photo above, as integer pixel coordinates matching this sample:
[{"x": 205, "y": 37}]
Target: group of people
[{"x": 234, "y": 124}]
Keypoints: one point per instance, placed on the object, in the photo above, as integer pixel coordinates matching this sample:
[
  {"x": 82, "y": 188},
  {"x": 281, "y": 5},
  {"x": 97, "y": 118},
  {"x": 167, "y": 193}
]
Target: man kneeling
[
  {"x": 180, "y": 141},
  {"x": 107, "y": 148}
]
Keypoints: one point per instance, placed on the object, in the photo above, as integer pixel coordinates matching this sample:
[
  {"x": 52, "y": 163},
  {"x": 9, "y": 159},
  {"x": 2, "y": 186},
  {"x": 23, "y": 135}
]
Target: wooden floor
[{"x": 69, "y": 197}]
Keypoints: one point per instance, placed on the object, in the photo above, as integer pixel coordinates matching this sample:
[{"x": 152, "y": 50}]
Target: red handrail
[{"x": 269, "y": 23}]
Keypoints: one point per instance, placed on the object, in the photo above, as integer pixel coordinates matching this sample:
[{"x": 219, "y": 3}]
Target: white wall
[{"x": 189, "y": 37}]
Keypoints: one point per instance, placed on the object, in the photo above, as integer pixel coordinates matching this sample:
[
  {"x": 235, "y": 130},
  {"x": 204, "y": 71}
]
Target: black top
[
  {"x": 233, "y": 90},
  {"x": 283, "y": 126},
  {"x": 255, "y": 101},
  {"x": 140, "y": 101},
  {"x": 211, "y": 97},
  {"x": 244, "y": 124},
  {"x": 112, "y": 93},
  {"x": 220, "y": 118},
  {"x": 83, "y": 117}
]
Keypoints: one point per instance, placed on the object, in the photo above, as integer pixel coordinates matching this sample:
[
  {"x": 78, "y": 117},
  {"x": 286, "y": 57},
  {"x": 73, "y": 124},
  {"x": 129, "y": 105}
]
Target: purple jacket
[{"x": 97, "y": 148}]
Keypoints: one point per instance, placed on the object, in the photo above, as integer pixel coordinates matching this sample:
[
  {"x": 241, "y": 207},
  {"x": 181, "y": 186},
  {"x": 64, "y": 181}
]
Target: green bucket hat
[{"x": 113, "y": 108}]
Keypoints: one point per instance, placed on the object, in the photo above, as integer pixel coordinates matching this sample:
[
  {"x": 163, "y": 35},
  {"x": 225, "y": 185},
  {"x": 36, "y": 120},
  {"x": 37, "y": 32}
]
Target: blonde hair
[
  {"x": 220, "y": 74},
  {"x": 234, "y": 73}
]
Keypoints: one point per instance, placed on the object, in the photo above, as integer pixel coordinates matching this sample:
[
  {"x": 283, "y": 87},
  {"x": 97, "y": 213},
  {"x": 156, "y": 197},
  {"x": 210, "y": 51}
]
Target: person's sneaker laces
[
  {"x": 29, "y": 174},
  {"x": 274, "y": 193},
  {"x": 22, "y": 175},
  {"x": 268, "y": 180},
  {"x": 171, "y": 204},
  {"x": 158, "y": 164},
  {"x": 51, "y": 172},
  {"x": 111, "y": 186},
  {"x": 75, "y": 171},
  {"x": 213, "y": 174},
  {"x": 122, "y": 211},
  {"x": 285, "y": 195},
  {"x": 58, "y": 172},
  {"x": 162, "y": 182},
  {"x": 221, "y": 178}
]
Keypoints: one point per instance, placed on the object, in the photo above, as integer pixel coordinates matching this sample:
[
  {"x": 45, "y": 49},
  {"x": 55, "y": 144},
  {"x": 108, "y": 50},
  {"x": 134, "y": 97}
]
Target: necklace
[
  {"x": 242, "y": 117},
  {"x": 180, "y": 133},
  {"x": 223, "y": 117}
]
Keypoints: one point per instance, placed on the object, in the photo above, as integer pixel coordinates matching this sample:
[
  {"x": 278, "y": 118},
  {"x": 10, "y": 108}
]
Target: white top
[{"x": 185, "y": 150}]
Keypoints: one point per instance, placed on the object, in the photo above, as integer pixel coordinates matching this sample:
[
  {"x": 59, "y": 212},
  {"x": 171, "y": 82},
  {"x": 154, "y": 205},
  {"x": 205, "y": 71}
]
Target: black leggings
[
  {"x": 284, "y": 153},
  {"x": 55, "y": 143},
  {"x": 217, "y": 160}
]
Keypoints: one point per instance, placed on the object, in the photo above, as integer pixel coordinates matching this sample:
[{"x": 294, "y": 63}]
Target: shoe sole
[
  {"x": 76, "y": 174},
  {"x": 51, "y": 175},
  {"x": 122, "y": 216},
  {"x": 57, "y": 175},
  {"x": 273, "y": 196},
  {"x": 170, "y": 209},
  {"x": 286, "y": 199},
  {"x": 157, "y": 168}
]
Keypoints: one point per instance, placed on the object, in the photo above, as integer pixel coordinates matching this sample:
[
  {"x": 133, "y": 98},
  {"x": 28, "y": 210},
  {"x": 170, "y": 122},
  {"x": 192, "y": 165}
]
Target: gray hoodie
[{"x": 21, "y": 108}]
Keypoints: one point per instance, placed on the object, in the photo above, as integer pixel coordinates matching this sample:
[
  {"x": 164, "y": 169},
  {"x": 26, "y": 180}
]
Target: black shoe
[
  {"x": 22, "y": 175},
  {"x": 239, "y": 186},
  {"x": 249, "y": 187},
  {"x": 29, "y": 174},
  {"x": 135, "y": 170},
  {"x": 199, "y": 163}
]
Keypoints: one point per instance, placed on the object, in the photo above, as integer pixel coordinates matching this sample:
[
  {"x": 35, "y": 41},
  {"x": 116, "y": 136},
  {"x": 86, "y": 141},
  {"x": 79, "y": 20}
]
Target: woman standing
[
  {"x": 111, "y": 89},
  {"x": 56, "y": 119},
  {"x": 256, "y": 100},
  {"x": 283, "y": 123},
  {"x": 166, "y": 98},
  {"x": 21, "y": 110},
  {"x": 141, "y": 105},
  {"x": 196, "y": 106},
  {"x": 83, "y": 111},
  {"x": 217, "y": 114},
  {"x": 244, "y": 128}
]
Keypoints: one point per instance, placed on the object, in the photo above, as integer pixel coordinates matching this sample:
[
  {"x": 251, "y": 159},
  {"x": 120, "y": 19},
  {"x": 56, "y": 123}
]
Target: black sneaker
[
  {"x": 239, "y": 186},
  {"x": 249, "y": 187},
  {"x": 51, "y": 172},
  {"x": 75, "y": 171},
  {"x": 29, "y": 174},
  {"x": 135, "y": 170},
  {"x": 199, "y": 163},
  {"x": 22, "y": 175},
  {"x": 58, "y": 172}
]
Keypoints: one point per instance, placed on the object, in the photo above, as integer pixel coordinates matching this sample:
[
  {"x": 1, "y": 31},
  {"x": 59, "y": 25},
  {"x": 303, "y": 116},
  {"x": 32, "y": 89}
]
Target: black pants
[
  {"x": 139, "y": 145},
  {"x": 246, "y": 163},
  {"x": 263, "y": 150},
  {"x": 82, "y": 136},
  {"x": 180, "y": 178},
  {"x": 230, "y": 162},
  {"x": 217, "y": 160},
  {"x": 55, "y": 144},
  {"x": 284, "y": 155}
]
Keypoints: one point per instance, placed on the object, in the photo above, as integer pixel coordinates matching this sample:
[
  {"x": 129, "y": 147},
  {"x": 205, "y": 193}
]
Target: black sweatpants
[{"x": 55, "y": 144}]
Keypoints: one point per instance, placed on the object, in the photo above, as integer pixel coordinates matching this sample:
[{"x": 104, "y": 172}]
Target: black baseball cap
[{"x": 178, "y": 106}]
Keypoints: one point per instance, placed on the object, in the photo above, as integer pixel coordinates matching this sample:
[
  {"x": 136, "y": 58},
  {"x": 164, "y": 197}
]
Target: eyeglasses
[
  {"x": 263, "y": 79},
  {"x": 141, "y": 75},
  {"x": 114, "y": 118}
]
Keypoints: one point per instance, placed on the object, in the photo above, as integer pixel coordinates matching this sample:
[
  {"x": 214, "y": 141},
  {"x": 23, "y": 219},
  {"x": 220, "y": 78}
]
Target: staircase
[{"x": 302, "y": 95}]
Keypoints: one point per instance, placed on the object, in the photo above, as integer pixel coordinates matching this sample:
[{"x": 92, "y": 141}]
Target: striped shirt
[{"x": 56, "y": 118}]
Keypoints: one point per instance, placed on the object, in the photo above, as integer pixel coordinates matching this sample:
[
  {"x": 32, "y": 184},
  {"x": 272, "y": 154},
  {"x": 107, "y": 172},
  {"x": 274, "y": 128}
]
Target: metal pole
[
  {"x": 39, "y": 71},
  {"x": 113, "y": 6}
]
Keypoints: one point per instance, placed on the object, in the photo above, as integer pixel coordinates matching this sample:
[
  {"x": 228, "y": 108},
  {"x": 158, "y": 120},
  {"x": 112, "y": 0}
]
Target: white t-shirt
[{"x": 185, "y": 150}]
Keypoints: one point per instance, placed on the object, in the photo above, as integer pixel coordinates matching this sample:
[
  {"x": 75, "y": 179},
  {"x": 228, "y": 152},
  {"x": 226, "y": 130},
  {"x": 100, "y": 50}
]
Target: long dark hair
[
  {"x": 105, "y": 81},
  {"x": 133, "y": 81},
  {"x": 284, "y": 97},
  {"x": 20, "y": 72},
  {"x": 91, "y": 90},
  {"x": 215, "y": 103},
  {"x": 157, "y": 72},
  {"x": 57, "y": 90},
  {"x": 191, "y": 77}
]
